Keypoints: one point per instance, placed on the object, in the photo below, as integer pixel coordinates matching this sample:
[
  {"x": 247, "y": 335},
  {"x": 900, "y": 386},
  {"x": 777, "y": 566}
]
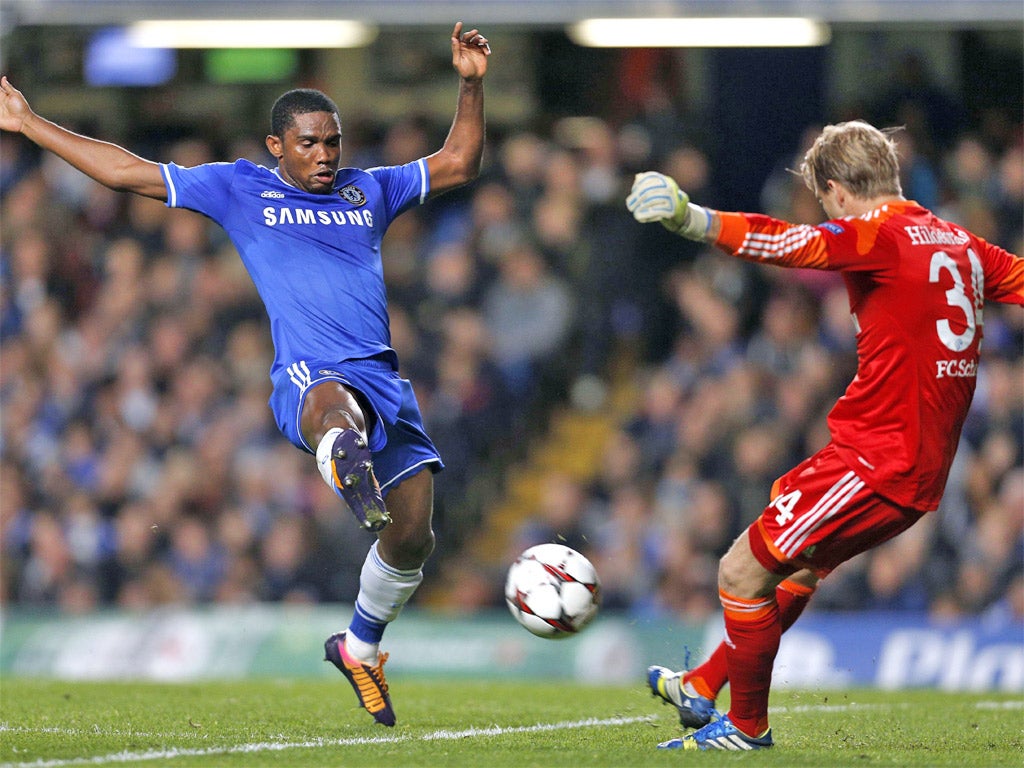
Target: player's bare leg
[{"x": 409, "y": 540}]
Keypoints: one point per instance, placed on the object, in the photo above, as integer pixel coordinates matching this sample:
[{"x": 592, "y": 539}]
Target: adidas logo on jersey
[{"x": 273, "y": 194}]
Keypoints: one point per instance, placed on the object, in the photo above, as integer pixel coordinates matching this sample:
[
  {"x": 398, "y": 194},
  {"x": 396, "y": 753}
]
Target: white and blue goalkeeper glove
[{"x": 657, "y": 197}]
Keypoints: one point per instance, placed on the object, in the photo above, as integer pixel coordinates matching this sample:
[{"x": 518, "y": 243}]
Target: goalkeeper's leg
[{"x": 792, "y": 595}]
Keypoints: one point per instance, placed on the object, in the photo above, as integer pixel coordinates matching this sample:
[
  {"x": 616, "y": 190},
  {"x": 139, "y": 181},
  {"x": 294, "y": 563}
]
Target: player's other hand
[
  {"x": 469, "y": 52},
  {"x": 657, "y": 197},
  {"x": 14, "y": 110}
]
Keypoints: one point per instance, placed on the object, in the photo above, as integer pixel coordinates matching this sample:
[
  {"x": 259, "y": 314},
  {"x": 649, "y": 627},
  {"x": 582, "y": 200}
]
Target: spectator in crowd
[
  {"x": 528, "y": 313},
  {"x": 561, "y": 516},
  {"x": 623, "y": 546}
]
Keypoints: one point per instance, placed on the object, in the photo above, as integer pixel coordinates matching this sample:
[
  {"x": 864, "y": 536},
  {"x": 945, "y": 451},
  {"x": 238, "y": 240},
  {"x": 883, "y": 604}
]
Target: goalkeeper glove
[{"x": 657, "y": 197}]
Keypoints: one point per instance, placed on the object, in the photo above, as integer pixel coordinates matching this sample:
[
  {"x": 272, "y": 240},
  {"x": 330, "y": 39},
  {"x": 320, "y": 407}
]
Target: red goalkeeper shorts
[{"x": 822, "y": 514}]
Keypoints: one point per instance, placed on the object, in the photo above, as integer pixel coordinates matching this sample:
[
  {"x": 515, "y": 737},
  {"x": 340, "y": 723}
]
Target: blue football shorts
[{"x": 398, "y": 442}]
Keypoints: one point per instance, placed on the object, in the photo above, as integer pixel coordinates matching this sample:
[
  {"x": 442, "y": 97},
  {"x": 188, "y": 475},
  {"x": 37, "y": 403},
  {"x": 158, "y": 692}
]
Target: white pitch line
[
  {"x": 1011, "y": 704},
  {"x": 271, "y": 746}
]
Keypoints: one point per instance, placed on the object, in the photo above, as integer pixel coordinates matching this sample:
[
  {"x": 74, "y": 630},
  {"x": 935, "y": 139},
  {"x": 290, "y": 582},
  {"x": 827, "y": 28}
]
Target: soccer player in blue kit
[{"x": 309, "y": 233}]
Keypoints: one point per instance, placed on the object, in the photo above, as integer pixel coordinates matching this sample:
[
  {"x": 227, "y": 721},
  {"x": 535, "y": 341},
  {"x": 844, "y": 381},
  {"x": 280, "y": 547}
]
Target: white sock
[
  {"x": 323, "y": 457},
  {"x": 383, "y": 591},
  {"x": 360, "y": 649}
]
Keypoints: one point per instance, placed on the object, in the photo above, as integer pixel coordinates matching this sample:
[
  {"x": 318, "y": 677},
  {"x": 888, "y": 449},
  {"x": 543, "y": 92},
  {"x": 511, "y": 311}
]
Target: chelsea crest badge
[{"x": 352, "y": 194}]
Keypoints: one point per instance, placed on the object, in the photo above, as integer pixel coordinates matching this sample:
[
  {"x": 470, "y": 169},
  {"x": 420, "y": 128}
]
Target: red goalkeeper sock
[
  {"x": 710, "y": 677},
  {"x": 752, "y": 632},
  {"x": 792, "y": 599}
]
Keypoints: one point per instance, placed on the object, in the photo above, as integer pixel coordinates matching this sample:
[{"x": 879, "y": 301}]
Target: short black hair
[{"x": 300, "y": 101}]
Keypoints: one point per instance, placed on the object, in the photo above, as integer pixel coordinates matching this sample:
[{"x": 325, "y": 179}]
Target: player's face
[{"x": 309, "y": 153}]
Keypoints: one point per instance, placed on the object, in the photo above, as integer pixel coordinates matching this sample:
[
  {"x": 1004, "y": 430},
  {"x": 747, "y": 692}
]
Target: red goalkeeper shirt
[{"x": 917, "y": 287}]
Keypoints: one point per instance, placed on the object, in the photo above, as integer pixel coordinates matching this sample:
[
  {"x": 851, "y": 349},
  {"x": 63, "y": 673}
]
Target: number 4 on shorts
[{"x": 785, "y": 502}]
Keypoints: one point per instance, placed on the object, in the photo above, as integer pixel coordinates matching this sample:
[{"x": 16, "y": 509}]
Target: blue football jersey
[{"x": 315, "y": 259}]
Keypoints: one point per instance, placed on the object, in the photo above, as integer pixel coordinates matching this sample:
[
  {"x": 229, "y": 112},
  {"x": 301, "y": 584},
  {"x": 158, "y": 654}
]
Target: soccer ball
[{"x": 553, "y": 591}]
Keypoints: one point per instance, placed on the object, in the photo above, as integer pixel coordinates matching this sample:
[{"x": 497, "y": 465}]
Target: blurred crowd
[{"x": 139, "y": 465}]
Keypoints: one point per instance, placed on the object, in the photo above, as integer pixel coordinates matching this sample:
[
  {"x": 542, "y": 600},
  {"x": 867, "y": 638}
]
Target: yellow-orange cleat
[{"x": 368, "y": 681}]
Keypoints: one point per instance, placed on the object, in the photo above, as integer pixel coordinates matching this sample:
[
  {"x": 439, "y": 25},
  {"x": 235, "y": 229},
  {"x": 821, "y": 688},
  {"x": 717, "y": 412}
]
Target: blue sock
[{"x": 365, "y": 627}]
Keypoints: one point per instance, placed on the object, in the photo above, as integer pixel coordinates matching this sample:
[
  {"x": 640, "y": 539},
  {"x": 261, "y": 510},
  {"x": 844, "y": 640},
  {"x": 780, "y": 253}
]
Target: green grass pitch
[{"x": 48, "y": 724}]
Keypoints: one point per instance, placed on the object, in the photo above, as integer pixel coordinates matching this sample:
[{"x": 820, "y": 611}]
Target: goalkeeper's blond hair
[{"x": 859, "y": 156}]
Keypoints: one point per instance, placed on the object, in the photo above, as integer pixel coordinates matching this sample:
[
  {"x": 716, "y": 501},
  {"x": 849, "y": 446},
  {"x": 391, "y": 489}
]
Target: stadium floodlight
[
  {"x": 724, "y": 32},
  {"x": 262, "y": 33}
]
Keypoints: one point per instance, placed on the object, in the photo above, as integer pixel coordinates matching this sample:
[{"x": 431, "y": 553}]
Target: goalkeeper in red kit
[{"x": 917, "y": 287}]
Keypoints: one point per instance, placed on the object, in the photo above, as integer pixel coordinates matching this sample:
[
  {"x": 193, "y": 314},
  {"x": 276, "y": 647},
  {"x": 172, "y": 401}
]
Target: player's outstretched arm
[
  {"x": 458, "y": 161},
  {"x": 110, "y": 165},
  {"x": 657, "y": 197}
]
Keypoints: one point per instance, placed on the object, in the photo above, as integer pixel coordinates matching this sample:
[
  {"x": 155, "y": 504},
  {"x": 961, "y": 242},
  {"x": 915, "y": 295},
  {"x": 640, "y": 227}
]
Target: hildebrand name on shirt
[
  {"x": 273, "y": 217},
  {"x": 935, "y": 236}
]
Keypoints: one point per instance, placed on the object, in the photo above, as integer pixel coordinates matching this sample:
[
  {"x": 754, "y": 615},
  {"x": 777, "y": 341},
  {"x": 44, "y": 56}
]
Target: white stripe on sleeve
[
  {"x": 172, "y": 192},
  {"x": 424, "y": 179}
]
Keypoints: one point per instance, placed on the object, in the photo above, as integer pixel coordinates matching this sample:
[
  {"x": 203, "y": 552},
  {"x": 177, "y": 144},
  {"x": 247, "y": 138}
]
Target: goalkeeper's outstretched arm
[{"x": 657, "y": 197}]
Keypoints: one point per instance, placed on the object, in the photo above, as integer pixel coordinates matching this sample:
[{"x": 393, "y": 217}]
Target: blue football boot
[{"x": 721, "y": 734}]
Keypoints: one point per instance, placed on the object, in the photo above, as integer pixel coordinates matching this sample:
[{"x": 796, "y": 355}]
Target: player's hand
[
  {"x": 469, "y": 53},
  {"x": 14, "y": 109},
  {"x": 657, "y": 197}
]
